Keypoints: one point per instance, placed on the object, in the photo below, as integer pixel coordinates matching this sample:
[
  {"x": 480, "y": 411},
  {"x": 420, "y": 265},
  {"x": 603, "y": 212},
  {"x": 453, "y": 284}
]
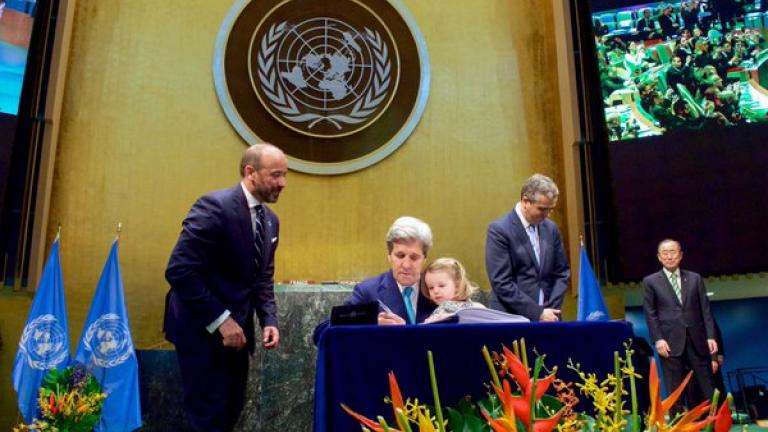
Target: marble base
[{"x": 280, "y": 389}]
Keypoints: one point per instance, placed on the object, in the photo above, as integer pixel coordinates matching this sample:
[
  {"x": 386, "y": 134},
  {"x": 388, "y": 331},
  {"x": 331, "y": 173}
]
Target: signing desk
[{"x": 353, "y": 362}]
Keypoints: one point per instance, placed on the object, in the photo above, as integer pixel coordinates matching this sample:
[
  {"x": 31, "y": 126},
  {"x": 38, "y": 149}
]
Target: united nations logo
[
  {"x": 324, "y": 70},
  {"x": 338, "y": 84},
  {"x": 108, "y": 340},
  {"x": 597, "y": 316},
  {"x": 44, "y": 342}
]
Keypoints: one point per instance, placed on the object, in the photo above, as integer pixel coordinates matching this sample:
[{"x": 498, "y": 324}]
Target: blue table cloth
[{"x": 353, "y": 361}]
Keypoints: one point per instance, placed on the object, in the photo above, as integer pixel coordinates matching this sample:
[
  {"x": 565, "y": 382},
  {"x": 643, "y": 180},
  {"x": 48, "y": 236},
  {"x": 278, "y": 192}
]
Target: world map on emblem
[
  {"x": 338, "y": 85},
  {"x": 323, "y": 70},
  {"x": 44, "y": 342},
  {"x": 108, "y": 340}
]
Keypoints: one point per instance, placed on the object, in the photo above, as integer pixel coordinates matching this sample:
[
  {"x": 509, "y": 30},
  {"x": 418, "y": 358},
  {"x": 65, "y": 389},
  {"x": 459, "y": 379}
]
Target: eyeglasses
[
  {"x": 669, "y": 252},
  {"x": 542, "y": 209}
]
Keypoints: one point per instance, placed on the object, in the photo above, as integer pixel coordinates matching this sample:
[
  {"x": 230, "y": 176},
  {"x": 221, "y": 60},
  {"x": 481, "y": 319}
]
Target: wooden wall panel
[{"x": 143, "y": 135}]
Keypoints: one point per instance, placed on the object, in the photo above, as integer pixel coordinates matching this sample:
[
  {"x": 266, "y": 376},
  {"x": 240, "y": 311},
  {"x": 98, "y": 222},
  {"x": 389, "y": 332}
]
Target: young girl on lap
[{"x": 447, "y": 285}]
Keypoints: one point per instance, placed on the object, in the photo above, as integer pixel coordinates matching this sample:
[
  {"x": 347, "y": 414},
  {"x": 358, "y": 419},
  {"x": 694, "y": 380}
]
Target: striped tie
[
  {"x": 258, "y": 232},
  {"x": 676, "y": 286}
]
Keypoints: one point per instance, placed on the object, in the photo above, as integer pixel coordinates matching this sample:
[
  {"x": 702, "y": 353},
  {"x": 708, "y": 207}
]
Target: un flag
[
  {"x": 107, "y": 351},
  {"x": 44, "y": 343},
  {"x": 591, "y": 303}
]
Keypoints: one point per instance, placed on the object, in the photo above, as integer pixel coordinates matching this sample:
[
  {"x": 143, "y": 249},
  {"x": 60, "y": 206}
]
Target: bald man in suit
[
  {"x": 221, "y": 273},
  {"x": 681, "y": 325}
]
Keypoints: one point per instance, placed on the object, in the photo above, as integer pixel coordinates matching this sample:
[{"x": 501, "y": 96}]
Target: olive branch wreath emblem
[
  {"x": 126, "y": 348},
  {"x": 49, "y": 362},
  {"x": 284, "y": 103}
]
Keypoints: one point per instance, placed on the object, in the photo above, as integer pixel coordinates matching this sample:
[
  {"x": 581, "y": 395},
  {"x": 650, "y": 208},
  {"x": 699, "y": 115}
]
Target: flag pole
[
  {"x": 58, "y": 233},
  {"x": 581, "y": 239},
  {"x": 119, "y": 230}
]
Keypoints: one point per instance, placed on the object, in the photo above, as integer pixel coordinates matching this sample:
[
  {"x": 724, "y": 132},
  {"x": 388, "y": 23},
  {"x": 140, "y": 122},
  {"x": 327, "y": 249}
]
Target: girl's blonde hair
[{"x": 453, "y": 268}]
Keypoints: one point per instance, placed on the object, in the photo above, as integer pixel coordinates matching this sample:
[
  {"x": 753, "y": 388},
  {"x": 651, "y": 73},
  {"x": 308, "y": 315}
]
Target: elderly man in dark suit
[
  {"x": 221, "y": 272},
  {"x": 397, "y": 290},
  {"x": 680, "y": 323},
  {"x": 524, "y": 255}
]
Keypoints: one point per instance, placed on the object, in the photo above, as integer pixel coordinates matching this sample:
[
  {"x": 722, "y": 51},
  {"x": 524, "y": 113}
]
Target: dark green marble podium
[{"x": 280, "y": 388}]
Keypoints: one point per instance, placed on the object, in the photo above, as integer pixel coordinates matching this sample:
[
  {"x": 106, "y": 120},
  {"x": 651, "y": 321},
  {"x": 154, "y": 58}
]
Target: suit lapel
[
  {"x": 389, "y": 293},
  {"x": 242, "y": 214},
  {"x": 269, "y": 234},
  {"x": 543, "y": 244},
  {"x": 684, "y": 287},
  {"x": 670, "y": 291},
  {"x": 522, "y": 236}
]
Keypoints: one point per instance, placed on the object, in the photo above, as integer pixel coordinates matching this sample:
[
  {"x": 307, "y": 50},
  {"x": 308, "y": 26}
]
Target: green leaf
[
  {"x": 465, "y": 421},
  {"x": 549, "y": 401},
  {"x": 491, "y": 405}
]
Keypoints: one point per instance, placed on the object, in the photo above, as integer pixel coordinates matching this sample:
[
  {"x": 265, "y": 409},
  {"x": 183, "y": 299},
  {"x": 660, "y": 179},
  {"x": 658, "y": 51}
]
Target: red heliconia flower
[
  {"x": 502, "y": 424},
  {"x": 397, "y": 399},
  {"x": 372, "y": 425},
  {"x": 522, "y": 404},
  {"x": 507, "y": 422},
  {"x": 659, "y": 408},
  {"x": 520, "y": 373},
  {"x": 723, "y": 420}
]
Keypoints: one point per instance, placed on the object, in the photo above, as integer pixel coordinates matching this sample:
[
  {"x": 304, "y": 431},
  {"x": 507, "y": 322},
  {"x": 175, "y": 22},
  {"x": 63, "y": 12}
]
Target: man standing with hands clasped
[
  {"x": 524, "y": 255},
  {"x": 680, "y": 323},
  {"x": 221, "y": 272}
]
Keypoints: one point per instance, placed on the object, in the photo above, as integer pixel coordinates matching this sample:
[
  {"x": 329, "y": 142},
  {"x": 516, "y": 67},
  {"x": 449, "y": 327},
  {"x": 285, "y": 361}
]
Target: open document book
[{"x": 475, "y": 315}]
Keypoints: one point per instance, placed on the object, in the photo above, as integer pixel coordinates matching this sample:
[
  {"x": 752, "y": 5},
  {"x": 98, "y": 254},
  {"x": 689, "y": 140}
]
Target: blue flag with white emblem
[
  {"x": 591, "y": 303},
  {"x": 44, "y": 343},
  {"x": 106, "y": 349}
]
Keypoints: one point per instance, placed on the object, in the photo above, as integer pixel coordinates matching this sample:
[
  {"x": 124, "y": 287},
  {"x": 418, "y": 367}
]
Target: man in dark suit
[
  {"x": 524, "y": 255},
  {"x": 221, "y": 272},
  {"x": 408, "y": 242},
  {"x": 680, "y": 323}
]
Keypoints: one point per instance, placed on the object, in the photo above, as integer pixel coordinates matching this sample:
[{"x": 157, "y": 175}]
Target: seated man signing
[{"x": 408, "y": 242}]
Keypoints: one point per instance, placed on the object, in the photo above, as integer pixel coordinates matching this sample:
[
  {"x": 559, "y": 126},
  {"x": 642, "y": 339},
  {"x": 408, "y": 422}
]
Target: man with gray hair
[
  {"x": 681, "y": 325},
  {"x": 397, "y": 290},
  {"x": 524, "y": 255}
]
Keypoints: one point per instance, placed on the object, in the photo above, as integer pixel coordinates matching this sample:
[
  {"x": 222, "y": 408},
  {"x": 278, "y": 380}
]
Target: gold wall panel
[{"x": 143, "y": 135}]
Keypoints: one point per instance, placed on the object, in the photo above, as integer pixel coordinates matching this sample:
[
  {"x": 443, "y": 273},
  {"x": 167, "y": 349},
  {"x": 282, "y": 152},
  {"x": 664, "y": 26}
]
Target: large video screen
[
  {"x": 677, "y": 96},
  {"x": 16, "y": 20},
  {"x": 681, "y": 65}
]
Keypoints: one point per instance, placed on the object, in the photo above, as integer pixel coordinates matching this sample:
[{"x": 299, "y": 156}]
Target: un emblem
[
  {"x": 338, "y": 85},
  {"x": 108, "y": 340},
  {"x": 44, "y": 342}
]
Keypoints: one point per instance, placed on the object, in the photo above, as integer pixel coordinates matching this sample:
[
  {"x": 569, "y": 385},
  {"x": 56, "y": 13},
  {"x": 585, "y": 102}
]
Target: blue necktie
[
  {"x": 408, "y": 305},
  {"x": 534, "y": 237}
]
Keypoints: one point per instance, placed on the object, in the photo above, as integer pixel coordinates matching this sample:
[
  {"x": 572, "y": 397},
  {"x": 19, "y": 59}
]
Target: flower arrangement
[
  {"x": 70, "y": 400},
  {"x": 529, "y": 408}
]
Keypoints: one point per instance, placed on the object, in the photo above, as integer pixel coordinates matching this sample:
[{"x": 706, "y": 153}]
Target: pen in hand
[{"x": 384, "y": 307}]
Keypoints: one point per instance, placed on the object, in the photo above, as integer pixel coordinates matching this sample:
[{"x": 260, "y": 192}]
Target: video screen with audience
[
  {"x": 667, "y": 67},
  {"x": 16, "y": 19}
]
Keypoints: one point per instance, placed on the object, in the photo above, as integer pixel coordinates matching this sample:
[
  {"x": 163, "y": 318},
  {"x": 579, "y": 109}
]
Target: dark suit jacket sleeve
[
  {"x": 200, "y": 231},
  {"x": 264, "y": 288},
  {"x": 560, "y": 273},
  {"x": 651, "y": 310},
  {"x": 498, "y": 264},
  {"x": 359, "y": 295}
]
